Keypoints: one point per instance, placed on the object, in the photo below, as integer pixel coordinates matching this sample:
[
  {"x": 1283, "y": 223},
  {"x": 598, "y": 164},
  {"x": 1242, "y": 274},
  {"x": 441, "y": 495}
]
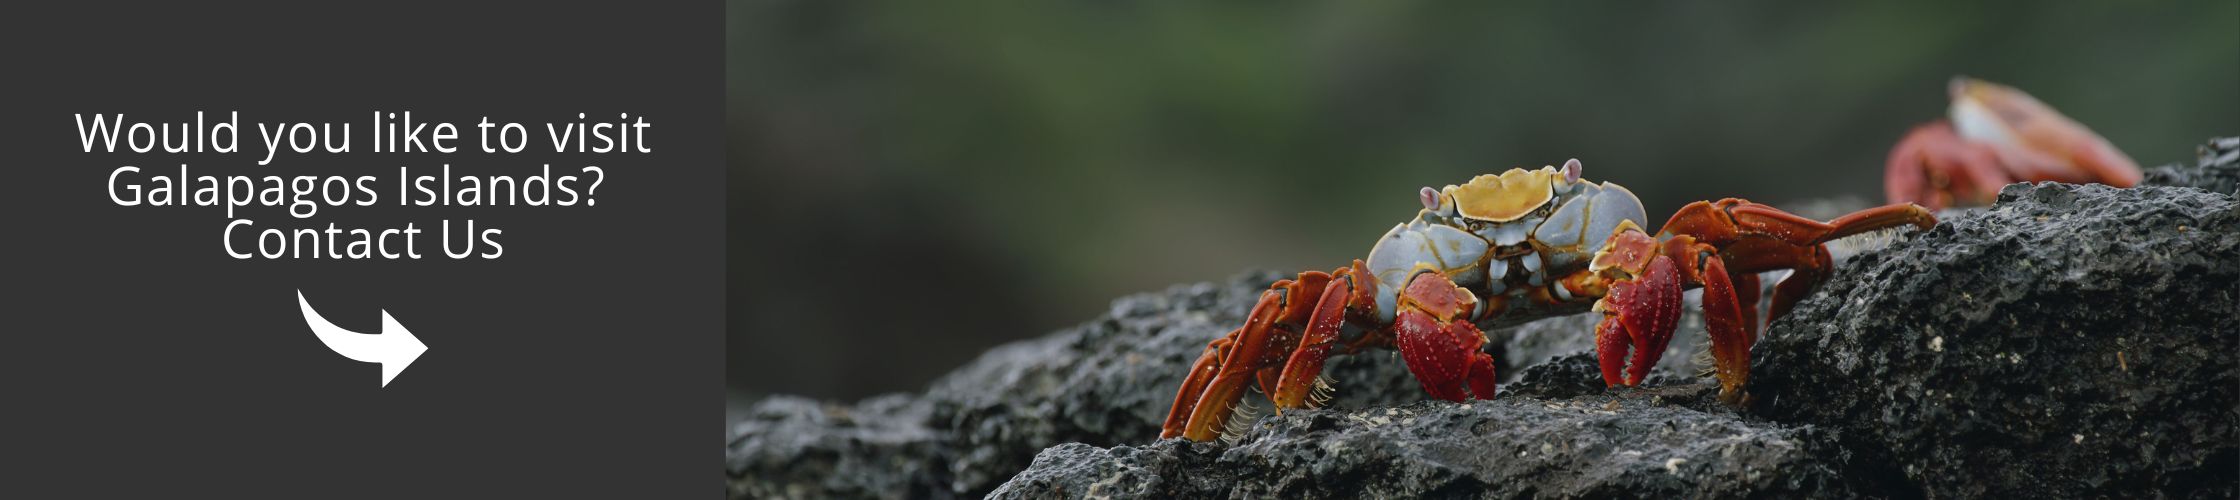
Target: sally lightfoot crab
[
  {"x": 1510, "y": 248},
  {"x": 1997, "y": 135}
]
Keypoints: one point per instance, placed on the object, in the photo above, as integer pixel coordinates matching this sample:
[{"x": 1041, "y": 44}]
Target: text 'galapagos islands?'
[{"x": 285, "y": 160}]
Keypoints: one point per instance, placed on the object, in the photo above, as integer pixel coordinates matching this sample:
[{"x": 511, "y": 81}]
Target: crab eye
[
  {"x": 1430, "y": 198},
  {"x": 1571, "y": 170}
]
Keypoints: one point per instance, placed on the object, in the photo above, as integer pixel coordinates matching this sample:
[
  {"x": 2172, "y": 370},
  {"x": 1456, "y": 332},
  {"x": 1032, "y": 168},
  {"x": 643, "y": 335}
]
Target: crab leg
[
  {"x": 1767, "y": 239},
  {"x": 1240, "y": 365},
  {"x": 1214, "y": 365},
  {"x": 1723, "y": 320},
  {"x": 1728, "y": 322},
  {"x": 1732, "y": 221},
  {"x": 1280, "y": 348},
  {"x": 1201, "y": 374},
  {"x": 1350, "y": 297},
  {"x": 1800, "y": 282},
  {"x": 1298, "y": 376},
  {"x": 1746, "y": 301},
  {"x": 1866, "y": 221},
  {"x": 1714, "y": 243}
]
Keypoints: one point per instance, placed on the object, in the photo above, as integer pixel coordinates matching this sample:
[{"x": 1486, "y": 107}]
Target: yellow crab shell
[{"x": 1505, "y": 197}]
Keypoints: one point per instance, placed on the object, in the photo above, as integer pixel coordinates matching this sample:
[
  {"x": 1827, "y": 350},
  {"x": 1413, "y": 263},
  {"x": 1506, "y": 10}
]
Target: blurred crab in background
[
  {"x": 1997, "y": 135},
  {"x": 1509, "y": 248}
]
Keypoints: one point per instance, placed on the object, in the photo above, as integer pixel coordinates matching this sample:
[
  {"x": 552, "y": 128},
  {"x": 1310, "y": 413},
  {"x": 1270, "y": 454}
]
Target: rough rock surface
[
  {"x": 1107, "y": 382},
  {"x": 1601, "y": 446},
  {"x": 2069, "y": 341},
  {"x": 2217, "y": 170},
  {"x": 800, "y": 448},
  {"x": 1551, "y": 436}
]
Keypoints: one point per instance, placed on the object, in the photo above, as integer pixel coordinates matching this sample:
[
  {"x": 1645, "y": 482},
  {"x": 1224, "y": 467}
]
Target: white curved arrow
[{"x": 394, "y": 347}]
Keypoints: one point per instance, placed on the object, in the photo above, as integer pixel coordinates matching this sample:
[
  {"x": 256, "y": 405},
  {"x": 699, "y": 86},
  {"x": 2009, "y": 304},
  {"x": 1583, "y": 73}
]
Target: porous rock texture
[
  {"x": 1105, "y": 383},
  {"x": 2069, "y": 341},
  {"x": 2216, "y": 169},
  {"x": 1669, "y": 441}
]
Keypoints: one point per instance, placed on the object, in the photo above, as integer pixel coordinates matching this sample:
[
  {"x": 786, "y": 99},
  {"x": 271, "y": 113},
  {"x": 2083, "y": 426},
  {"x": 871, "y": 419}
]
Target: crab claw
[
  {"x": 1638, "y": 314},
  {"x": 1442, "y": 348}
]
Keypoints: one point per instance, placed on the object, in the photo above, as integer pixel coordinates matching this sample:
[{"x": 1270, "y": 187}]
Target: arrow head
[
  {"x": 406, "y": 349},
  {"x": 394, "y": 348}
]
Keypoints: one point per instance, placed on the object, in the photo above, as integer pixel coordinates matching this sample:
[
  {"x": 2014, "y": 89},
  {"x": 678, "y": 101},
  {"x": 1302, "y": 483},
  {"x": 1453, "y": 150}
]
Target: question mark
[{"x": 593, "y": 192}]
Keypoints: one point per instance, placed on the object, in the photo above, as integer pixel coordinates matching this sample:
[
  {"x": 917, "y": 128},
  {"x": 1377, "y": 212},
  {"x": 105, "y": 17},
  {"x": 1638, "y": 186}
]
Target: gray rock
[
  {"x": 2069, "y": 341},
  {"x": 1107, "y": 382},
  {"x": 803, "y": 449},
  {"x": 2216, "y": 170},
  {"x": 1541, "y": 341},
  {"x": 1110, "y": 381},
  {"x": 1630, "y": 444},
  {"x": 1563, "y": 377}
]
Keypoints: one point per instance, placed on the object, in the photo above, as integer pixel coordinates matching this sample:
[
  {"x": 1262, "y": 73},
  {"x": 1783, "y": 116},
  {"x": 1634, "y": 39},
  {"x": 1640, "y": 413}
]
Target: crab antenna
[
  {"x": 1571, "y": 169},
  {"x": 1430, "y": 198}
]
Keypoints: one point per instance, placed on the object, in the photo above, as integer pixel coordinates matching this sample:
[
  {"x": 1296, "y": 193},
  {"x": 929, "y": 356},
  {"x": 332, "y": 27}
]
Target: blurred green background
[{"x": 913, "y": 182}]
